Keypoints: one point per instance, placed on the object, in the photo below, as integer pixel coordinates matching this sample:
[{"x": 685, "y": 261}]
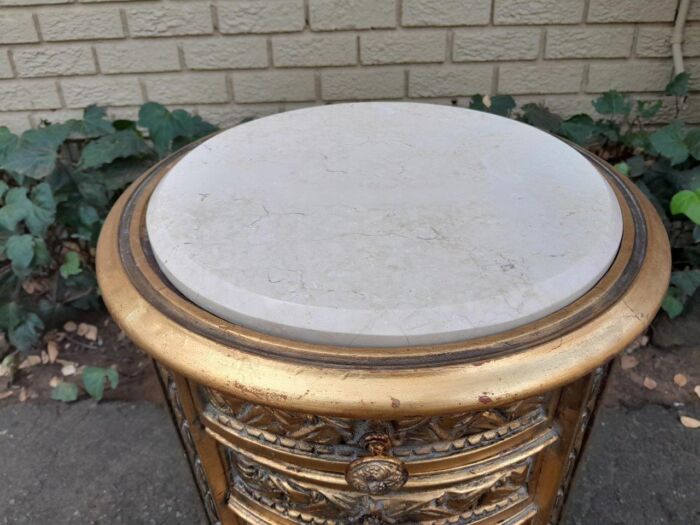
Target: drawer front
[{"x": 503, "y": 465}]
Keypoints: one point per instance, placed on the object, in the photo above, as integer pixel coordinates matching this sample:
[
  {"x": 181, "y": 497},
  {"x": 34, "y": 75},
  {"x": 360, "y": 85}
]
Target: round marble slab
[{"x": 383, "y": 224}]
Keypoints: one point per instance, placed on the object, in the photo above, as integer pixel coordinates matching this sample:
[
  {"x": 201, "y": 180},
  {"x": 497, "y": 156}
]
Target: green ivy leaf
[
  {"x": 94, "y": 380},
  {"x": 11, "y": 315},
  {"x": 672, "y": 304},
  {"x": 613, "y": 103},
  {"x": 687, "y": 280},
  {"x": 688, "y": 203},
  {"x": 161, "y": 126},
  {"x": 88, "y": 215},
  {"x": 692, "y": 141},
  {"x": 27, "y": 332},
  {"x": 8, "y": 141},
  {"x": 678, "y": 87},
  {"x": 499, "y": 105},
  {"x": 20, "y": 250},
  {"x": 669, "y": 141},
  {"x": 38, "y": 212},
  {"x": 122, "y": 144},
  {"x": 3, "y": 188},
  {"x": 580, "y": 129},
  {"x": 623, "y": 168},
  {"x": 43, "y": 210},
  {"x": 42, "y": 257},
  {"x": 165, "y": 126},
  {"x": 539, "y": 116},
  {"x": 648, "y": 109},
  {"x": 71, "y": 265},
  {"x": 64, "y": 391},
  {"x": 93, "y": 124},
  {"x": 35, "y": 154}
]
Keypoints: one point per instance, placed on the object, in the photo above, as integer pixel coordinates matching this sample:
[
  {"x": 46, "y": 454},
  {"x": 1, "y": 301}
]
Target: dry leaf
[
  {"x": 680, "y": 379},
  {"x": 68, "y": 370},
  {"x": 52, "y": 351},
  {"x": 690, "y": 422},
  {"x": 649, "y": 383},
  {"x": 628, "y": 361},
  {"x": 697, "y": 390},
  {"x": 88, "y": 331},
  {"x": 31, "y": 360},
  {"x": 44, "y": 357},
  {"x": 70, "y": 326},
  {"x": 6, "y": 394},
  {"x": 23, "y": 395},
  {"x": 639, "y": 342},
  {"x": 55, "y": 380}
]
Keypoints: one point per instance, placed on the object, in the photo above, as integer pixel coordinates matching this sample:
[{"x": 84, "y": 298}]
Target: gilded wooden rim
[
  {"x": 383, "y": 383},
  {"x": 143, "y": 271}
]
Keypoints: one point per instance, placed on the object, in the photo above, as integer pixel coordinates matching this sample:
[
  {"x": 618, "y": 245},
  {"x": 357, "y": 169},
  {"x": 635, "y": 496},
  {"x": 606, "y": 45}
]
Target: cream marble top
[{"x": 383, "y": 224}]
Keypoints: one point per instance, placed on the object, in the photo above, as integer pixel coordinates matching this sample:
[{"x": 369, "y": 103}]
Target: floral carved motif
[
  {"x": 341, "y": 437},
  {"x": 303, "y": 503}
]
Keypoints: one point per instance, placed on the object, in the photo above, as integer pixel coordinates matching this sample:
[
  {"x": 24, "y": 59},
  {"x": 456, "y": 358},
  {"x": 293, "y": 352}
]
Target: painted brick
[
  {"x": 54, "y": 60},
  {"x": 274, "y": 86},
  {"x": 226, "y": 53},
  {"x": 692, "y": 67},
  {"x": 362, "y": 84},
  {"x": 338, "y": 49},
  {"x": 437, "y": 81},
  {"x": 568, "y": 105},
  {"x": 227, "y": 115},
  {"x": 402, "y": 47},
  {"x": 170, "y": 20},
  {"x": 17, "y": 27},
  {"x": 54, "y": 116},
  {"x": 496, "y": 43},
  {"x": 28, "y": 94},
  {"x": 591, "y": 42},
  {"x": 24, "y": 3},
  {"x": 632, "y": 11},
  {"x": 80, "y": 24},
  {"x": 538, "y": 11},
  {"x": 187, "y": 88},
  {"x": 16, "y": 122},
  {"x": 519, "y": 79},
  {"x": 5, "y": 66},
  {"x": 352, "y": 14},
  {"x": 656, "y": 41},
  {"x": 694, "y": 12},
  {"x": 261, "y": 16},
  {"x": 628, "y": 76},
  {"x": 446, "y": 12},
  {"x": 123, "y": 112},
  {"x": 138, "y": 57},
  {"x": 103, "y": 91}
]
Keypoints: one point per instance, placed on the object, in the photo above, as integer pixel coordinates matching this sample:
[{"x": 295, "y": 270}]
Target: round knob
[{"x": 378, "y": 473}]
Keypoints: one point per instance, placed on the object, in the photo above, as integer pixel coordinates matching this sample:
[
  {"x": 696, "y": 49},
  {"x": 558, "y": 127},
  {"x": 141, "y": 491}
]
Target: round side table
[{"x": 383, "y": 313}]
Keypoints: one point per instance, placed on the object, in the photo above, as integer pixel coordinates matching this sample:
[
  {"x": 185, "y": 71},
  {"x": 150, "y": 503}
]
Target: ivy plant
[{"x": 57, "y": 184}]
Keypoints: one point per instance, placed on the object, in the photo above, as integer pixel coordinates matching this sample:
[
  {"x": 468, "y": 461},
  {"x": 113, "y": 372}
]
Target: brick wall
[{"x": 233, "y": 59}]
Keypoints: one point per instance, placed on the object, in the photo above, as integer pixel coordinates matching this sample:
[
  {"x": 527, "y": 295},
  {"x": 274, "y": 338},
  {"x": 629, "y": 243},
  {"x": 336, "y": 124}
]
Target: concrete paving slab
[
  {"x": 113, "y": 463},
  {"x": 640, "y": 467}
]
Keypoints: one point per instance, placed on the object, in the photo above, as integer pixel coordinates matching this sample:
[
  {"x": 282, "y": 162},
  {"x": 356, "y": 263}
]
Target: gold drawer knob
[{"x": 378, "y": 473}]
